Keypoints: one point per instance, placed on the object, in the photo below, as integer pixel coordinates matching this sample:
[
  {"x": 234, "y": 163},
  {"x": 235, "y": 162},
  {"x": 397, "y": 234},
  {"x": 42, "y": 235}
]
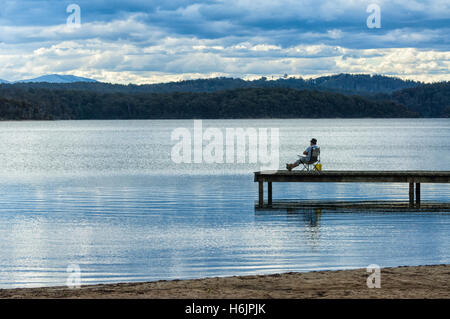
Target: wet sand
[{"x": 399, "y": 282}]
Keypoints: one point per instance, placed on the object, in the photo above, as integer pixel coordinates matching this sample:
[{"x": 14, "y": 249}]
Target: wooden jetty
[{"x": 410, "y": 177}]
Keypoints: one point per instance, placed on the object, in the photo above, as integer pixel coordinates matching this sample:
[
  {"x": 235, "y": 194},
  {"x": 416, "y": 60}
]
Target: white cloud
[
  {"x": 249, "y": 38},
  {"x": 178, "y": 58}
]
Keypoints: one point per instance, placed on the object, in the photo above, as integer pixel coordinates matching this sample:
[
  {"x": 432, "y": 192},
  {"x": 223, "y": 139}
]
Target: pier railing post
[
  {"x": 261, "y": 194},
  {"x": 269, "y": 193},
  {"x": 418, "y": 194},
  {"x": 411, "y": 194}
]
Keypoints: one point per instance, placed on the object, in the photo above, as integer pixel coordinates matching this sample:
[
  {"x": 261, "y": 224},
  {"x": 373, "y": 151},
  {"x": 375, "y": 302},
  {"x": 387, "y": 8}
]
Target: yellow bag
[{"x": 318, "y": 167}]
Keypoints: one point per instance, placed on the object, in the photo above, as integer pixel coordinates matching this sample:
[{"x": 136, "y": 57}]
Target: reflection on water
[
  {"x": 311, "y": 216},
  {"x": 307, "y": 219},
  {"x": 105, "y": 195}
]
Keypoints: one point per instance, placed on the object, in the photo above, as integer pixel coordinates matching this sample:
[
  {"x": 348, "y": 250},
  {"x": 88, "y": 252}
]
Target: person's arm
[{"x": 307, "y": 151}]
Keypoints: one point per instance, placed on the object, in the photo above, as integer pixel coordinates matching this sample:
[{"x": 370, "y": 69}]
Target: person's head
[{"x": 313, "y": 142}]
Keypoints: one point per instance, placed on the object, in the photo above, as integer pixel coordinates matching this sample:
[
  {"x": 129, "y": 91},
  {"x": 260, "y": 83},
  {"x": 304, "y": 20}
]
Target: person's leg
[{"x": 289, "y": 167}]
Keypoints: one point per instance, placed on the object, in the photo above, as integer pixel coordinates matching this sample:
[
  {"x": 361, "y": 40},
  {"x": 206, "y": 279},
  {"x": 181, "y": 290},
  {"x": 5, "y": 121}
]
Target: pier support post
[
  {"x": 261, "y": 194},
  {"x": 411, "y": 194},
  {"x": 269, "y": 193},
  {"x": 418, "y": 194}
]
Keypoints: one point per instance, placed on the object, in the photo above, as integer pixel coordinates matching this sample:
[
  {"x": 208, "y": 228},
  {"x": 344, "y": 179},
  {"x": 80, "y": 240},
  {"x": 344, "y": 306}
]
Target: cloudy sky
[{"x": 145, "y": 41}]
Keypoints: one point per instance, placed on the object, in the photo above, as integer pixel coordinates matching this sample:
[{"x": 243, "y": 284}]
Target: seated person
[{"x": 303, "y": 159}]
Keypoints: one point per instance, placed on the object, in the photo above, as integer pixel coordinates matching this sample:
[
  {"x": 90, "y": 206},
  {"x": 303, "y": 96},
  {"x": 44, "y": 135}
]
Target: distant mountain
[
  {"x": 361, "y": 84},
  {"x": 3, "y": 81},
  {"x": 57, "y": 78}
]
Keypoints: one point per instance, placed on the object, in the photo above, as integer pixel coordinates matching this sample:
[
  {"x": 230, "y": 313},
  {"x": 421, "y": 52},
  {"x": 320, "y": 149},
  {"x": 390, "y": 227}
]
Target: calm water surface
[{"x": 105, "y": 195}]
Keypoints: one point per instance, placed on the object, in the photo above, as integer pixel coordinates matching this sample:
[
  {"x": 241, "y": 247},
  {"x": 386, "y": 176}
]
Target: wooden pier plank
[{"x": 355, "y": 176}]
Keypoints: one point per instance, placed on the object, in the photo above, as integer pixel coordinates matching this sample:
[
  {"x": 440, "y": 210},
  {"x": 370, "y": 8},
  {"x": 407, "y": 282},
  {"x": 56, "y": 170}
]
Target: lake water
[{"x": 106, "y": 195}]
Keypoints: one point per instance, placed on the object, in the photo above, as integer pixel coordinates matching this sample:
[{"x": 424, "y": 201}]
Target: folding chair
[{"x": 313, "y": 161}]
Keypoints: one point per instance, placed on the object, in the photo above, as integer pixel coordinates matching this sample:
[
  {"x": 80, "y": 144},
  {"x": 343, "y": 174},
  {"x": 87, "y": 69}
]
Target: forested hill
[
  {"x": 44, "y": 104},
  {"x": 105, "y": 101},
  {"x": 429, "y": 100},
  {"x": 342, "y": 83}
]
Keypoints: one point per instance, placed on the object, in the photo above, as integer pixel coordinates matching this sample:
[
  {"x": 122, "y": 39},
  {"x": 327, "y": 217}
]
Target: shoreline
[
  {"x": 428, "y": 281},
  {"x": 231, "y": 119}
]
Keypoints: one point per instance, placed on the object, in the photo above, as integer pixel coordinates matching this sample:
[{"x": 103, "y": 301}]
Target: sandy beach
[{"x": 399, "y": 282}]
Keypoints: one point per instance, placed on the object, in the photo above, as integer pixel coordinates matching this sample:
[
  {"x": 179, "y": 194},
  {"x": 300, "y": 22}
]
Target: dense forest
[
  {"x": 45, "y": 101},
  {"x": 429, "y": 100},
  {"x": 44, "y": 104},
  {"x": 18, "y": 110},
  {"x": 360, "y": 84}
]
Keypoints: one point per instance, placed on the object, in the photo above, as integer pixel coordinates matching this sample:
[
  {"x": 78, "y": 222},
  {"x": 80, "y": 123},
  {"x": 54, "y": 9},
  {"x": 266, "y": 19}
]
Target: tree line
[
  {"x": 362, "y": 84},
  {"x": 428, "y": 100},
  {"x": 31, "y": 103}
]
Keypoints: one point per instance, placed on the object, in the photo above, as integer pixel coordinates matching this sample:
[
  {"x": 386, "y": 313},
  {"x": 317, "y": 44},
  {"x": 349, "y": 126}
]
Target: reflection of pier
[
  {"x": 310, "y": 215},
  {"x": 382, "y": 206},
  {"x": 411, "y": 177}
]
